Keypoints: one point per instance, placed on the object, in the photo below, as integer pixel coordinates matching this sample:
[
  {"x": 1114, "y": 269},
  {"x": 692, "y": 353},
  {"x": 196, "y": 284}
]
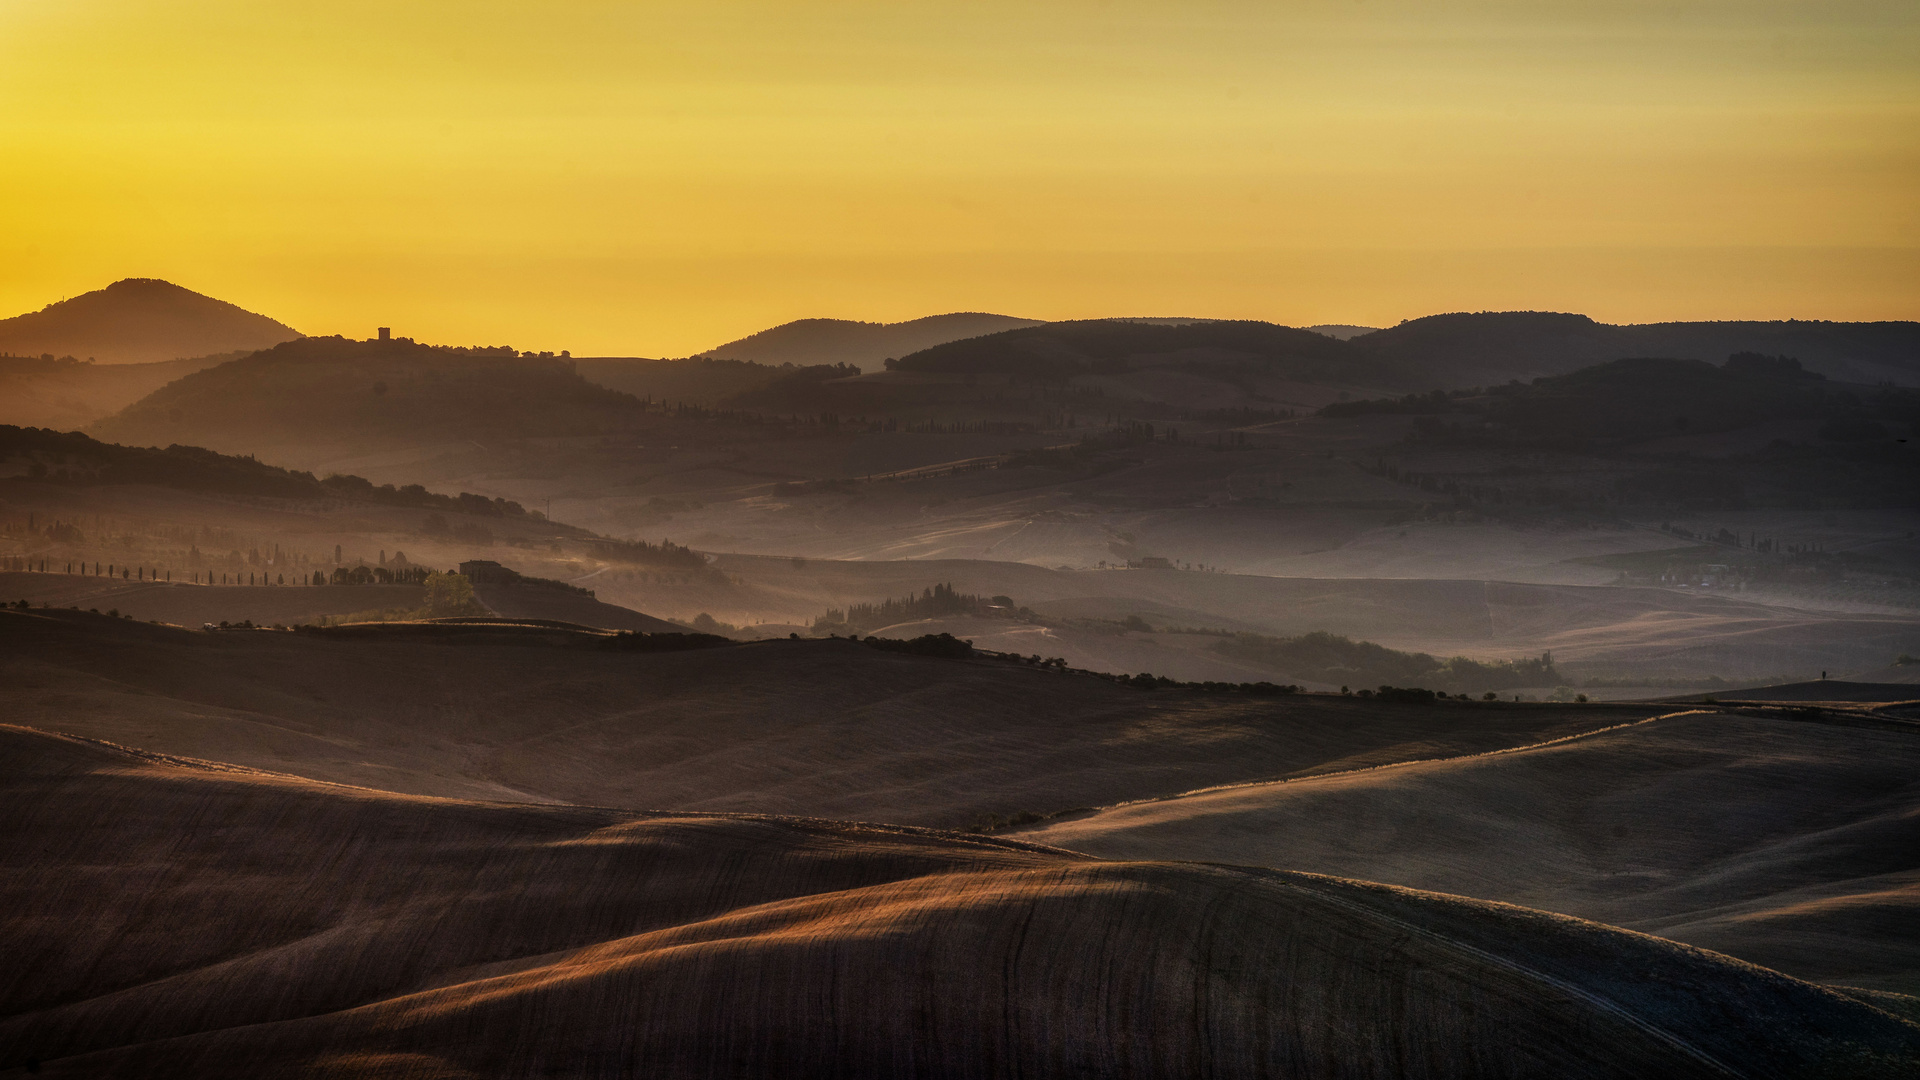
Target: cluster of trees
[
  {"x": 637, "y": 641},
  {"x": 1623, "y": 401},
  {"x": 414, "y": 495},
  {"x": 943, "y": 646},
  {"x": 465, "y": 532},
  {"x": 1146, "y": 680},
  {"x": 1438, "y": 401},
  {"x": 446, "y": 596},
  {"x": 708, "y": 382},
  {"x": 1333, "y": 658},
  {"x": 1728, "y": 538},
  {"x": 374, "y": 575},
  {"x": 969, "y": 427},
  {"x": 664, "y": 554},
  {"x": 62, "y": 532},
  {"x": 1244, "y": 415},
  {"x": 936, "y": 601}
]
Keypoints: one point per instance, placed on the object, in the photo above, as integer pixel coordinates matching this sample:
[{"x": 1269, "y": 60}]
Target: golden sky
[{"x": 655, "y": 178}]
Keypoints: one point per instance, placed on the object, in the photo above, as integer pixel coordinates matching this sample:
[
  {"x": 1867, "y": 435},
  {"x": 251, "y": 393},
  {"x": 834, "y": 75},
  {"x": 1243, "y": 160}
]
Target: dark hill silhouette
[
  {"x": 1466, "y": 349},
  {"x": 1643, "y": 398},
  {"x": 137, "y": 321},
  {"x": 1863, "y": 352},
  {"x": 551, "y": 601},
  {"x": 1810, "y": 441},
  {"x": 68, "y": 457},
  {"x": 863, "y": 344},
  {"x": 704, "y": 381},
  {"x": 820, "y": 728},
  {"x": 333, "y": 391},
  {"x": 1059, "y": 351}
]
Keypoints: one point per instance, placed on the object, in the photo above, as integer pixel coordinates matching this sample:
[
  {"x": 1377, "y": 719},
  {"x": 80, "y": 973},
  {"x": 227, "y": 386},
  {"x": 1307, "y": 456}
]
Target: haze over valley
[
  {"x": 577, "y": 542},
  {"x": 1139, "y": 589}
]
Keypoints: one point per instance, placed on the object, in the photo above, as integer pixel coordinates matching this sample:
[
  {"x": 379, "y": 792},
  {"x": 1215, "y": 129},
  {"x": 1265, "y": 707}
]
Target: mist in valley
[{"x": 987, "y": 541}]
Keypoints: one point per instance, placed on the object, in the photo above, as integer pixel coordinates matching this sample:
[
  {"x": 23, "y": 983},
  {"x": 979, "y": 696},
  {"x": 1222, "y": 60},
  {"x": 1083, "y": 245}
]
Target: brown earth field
[
  {"x": 1790, "y": 843},
  {"x": 173, "y": 918},
  {"x": 827, "y": 728}
]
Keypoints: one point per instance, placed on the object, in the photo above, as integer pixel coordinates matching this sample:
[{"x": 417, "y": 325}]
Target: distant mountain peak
[{"x": 140, "y": 320}]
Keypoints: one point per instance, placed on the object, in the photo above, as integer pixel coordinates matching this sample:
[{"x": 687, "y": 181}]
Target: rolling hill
[
  {"x": 70, "y": 458},
  {"x": 138, "y": 321},
  {"x": 1438, "y": 351},
  {"x": 68, "y": 394},
  {"x": 333, "y": 391},
  {"x": 351, "y": 933},
  {"x": 1475, "y": 349},
  {"x": 695, "y": 381},
  {"x": 862, "y": 344},
  {"x": 1059, "y": 351},
  {"x": 826, "y": 728},
  {"x": 182, "y": 604},
  {"x": 1783, "y": 841},
  {"x": 552, "y": 601}
]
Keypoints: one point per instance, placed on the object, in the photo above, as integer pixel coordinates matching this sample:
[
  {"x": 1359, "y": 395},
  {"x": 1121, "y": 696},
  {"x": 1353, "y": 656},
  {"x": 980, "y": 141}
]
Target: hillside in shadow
[
  {"x": 74, "y": 459},
  {"x": 1667, "y": 434},
  {"x": 821, "y": 728},
  {"x": 66, "y": 394},
  {"x": 334, "y": 390},
  {"x": 1469, "y": 349},
  {"x": 1054, "y": 352}
]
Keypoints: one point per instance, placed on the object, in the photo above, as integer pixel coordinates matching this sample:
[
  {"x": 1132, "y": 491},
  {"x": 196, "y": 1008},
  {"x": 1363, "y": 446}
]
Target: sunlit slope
[
  {"x": 178, "y": 919},
  {"x": 822, "y": 728},
  {"x": 1788, "y": 843},
  {"x": 137, "y": 321}
]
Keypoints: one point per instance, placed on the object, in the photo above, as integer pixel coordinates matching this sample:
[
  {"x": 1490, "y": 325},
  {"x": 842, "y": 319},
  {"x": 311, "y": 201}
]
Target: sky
[{"x": 635, "y": 178}]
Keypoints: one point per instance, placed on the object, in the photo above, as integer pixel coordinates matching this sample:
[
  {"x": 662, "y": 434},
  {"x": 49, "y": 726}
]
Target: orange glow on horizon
[{"x": 657, "y": 178}]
